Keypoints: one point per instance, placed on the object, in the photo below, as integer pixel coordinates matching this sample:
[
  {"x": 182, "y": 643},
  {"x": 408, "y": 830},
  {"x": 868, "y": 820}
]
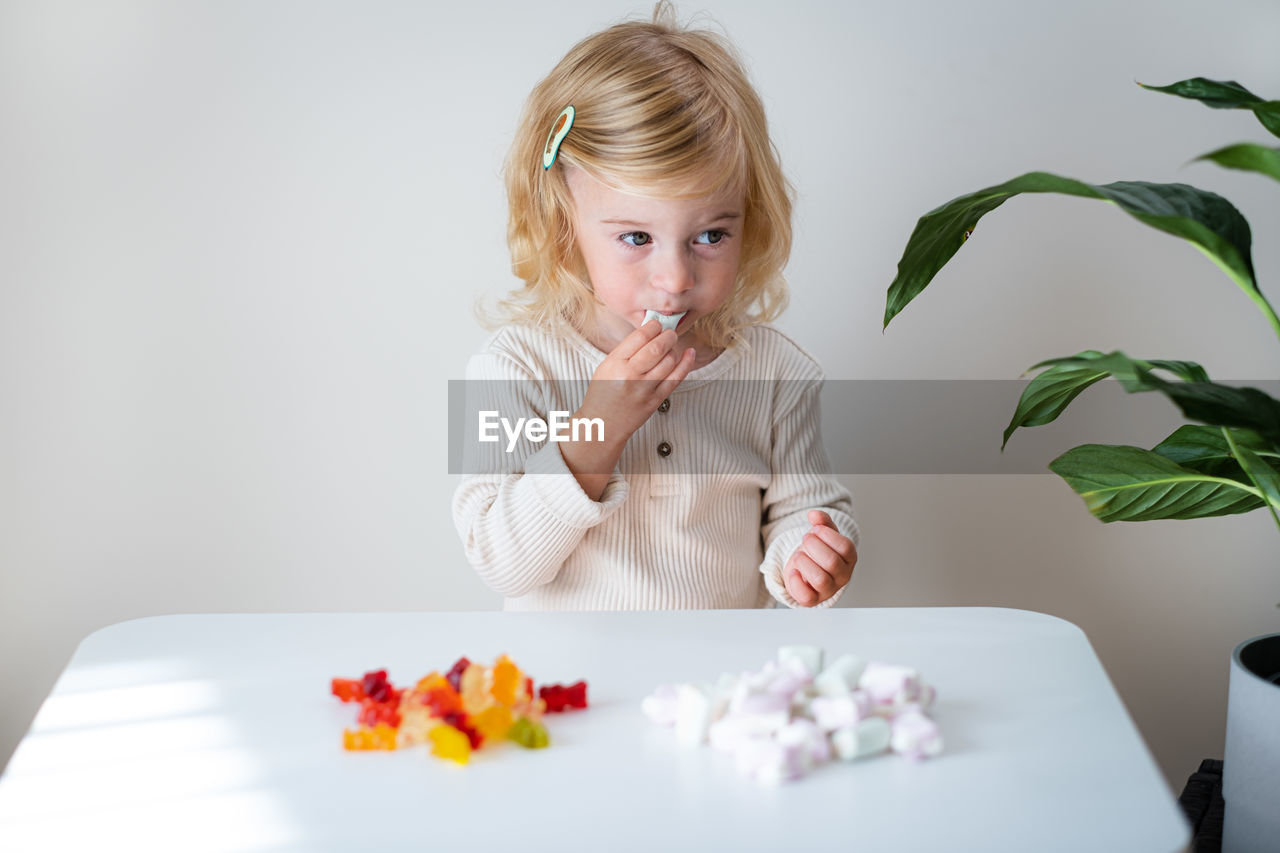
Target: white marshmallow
[
  {"x": 868, "y": 737},
  {"x": 727, "y": 733},
  {"x": 660, "y": 707},
  {"x": 769, "y": 762},
  {"x": 695, "y": 712},
  {"x": 841, "y": 676},
  {"x": 810, "y": 656},
  {"x": 667, "y": 321}
]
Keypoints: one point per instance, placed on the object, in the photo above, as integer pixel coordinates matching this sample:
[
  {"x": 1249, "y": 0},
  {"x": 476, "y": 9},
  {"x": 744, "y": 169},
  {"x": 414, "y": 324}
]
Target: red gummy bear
[
  {"x": 576, "y": 694},
  {"x": 377, "y": 687},
  {"x": 561, "y": 698},
  {"x": 553, "y": 696},
  {"x": 454, "y": 676},
  {"x": 372, "y": 713}
]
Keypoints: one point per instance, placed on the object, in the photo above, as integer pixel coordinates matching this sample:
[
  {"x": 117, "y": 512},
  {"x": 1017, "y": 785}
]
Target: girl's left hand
[{"x": 822, "y": 564}]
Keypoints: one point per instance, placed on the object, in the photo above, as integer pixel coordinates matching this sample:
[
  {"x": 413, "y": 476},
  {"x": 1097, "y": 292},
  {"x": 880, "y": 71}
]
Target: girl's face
[{"x": 665, "y": 255}]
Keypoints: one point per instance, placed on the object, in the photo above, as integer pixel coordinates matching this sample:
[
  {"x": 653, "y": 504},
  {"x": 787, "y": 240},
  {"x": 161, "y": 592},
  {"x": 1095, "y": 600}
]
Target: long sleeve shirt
[{"x": 705, "y": 506}]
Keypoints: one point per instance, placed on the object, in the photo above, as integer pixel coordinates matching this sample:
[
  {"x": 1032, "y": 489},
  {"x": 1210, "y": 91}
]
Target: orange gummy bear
[
  {"x": 381, "y": 736},
  {"x": 493, "y": 722},
  {"x": 506, "y": 679}
]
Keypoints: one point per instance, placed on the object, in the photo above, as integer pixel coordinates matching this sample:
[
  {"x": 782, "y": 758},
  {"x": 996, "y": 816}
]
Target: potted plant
[{"x": 1226, "y": 461}]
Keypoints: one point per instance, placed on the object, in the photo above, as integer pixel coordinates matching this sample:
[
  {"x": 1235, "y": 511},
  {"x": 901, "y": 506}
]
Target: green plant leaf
[
  {"x": 1247, "y": 157},
  {"x": 1206, "y": 220},
  {"x": 1205, "y": 449},
  {"x": 1122, "y": 483},
  {"x": 1225, "y": 405},
  {"x": 1197, "y": 397},
  {"x": 1049, "y": 393},
  {"x": 1191, "y": 445},
  {"x": 1132, "y": 372},
  {"x": 1265, "y": 476},
  {"x": 1224, "y": 95}
]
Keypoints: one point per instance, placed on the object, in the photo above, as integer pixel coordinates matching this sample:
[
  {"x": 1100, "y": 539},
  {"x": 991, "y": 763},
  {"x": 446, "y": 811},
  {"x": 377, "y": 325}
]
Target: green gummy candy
[{"x": 529, "y": 734}]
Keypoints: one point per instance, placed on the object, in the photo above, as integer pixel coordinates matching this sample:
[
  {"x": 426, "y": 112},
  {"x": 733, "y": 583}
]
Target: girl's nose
[{"x": 673, "y": 272}]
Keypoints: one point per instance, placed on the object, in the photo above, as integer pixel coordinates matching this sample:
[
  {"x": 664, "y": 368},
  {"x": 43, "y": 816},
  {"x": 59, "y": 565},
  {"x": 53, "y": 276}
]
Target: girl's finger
[
  {"x": 820, "y": 552},
  {"x": 818, "y": 518},
  {"x": 838, "y": 542},
  {"x": 815, "y": 576},
  {"x": 662, "y": 369},
  {"x": 800, "y": 591},
  {"x": 633, "y": 342},
  {"x": 648, "y": 356}
]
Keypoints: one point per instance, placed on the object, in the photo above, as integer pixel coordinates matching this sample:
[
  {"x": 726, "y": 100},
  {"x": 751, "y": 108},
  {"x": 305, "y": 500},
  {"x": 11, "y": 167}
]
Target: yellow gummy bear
[
  {"x": 448, "y": 742},
  {"x": 506, "y": 679}
]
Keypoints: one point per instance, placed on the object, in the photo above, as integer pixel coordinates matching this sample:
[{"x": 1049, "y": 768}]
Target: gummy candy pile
[
  {"x": 781, "y": 722},
  {"x": 468, "y": 707}
]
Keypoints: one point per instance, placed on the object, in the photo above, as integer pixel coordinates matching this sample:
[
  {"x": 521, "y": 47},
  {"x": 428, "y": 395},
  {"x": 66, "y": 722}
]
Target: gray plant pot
[{"x": 1251, "y": 765}]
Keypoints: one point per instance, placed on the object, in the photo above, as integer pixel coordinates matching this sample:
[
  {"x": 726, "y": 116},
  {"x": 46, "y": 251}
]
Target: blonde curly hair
[{"x": 661, "y": 112}]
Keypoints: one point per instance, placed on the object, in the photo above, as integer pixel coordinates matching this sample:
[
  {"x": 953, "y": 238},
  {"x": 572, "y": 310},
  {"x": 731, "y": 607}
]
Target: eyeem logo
[{"x": 560, "y": 427}]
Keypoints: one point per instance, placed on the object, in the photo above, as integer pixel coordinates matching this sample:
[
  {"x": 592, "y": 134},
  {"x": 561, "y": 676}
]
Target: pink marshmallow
[
  {"x": 759, "y": 703},
  {"x": 809, "y": 737},
  {"x": 838, "y": 712},
  {"x": 915, "y": 736},
  {"x": 889, "y": 684}
]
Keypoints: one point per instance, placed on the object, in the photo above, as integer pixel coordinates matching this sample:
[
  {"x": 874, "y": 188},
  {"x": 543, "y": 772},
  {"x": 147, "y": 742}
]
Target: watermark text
[{"x": 560, "y": 426}]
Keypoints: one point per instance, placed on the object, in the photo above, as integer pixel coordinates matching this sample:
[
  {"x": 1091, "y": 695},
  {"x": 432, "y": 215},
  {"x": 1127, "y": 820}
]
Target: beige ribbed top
[{"x": 708, "y": 525}]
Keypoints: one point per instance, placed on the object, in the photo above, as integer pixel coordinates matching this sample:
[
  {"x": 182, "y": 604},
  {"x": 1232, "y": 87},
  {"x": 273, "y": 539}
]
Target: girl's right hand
[
  {"x": 634, "y": 379},
  {"x": 625, "y": 390}
]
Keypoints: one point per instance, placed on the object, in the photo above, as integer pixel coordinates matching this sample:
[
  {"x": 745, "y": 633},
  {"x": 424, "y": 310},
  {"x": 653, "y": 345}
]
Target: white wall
[{"x": 239, "y": 245}]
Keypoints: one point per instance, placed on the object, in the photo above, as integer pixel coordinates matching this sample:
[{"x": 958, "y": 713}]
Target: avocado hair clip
[{"x": 559, "y": 131}]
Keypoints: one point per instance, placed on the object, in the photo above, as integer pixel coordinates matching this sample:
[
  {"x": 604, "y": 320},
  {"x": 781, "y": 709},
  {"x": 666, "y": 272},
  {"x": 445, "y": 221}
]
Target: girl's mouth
[{"x": 667, "y": 321}]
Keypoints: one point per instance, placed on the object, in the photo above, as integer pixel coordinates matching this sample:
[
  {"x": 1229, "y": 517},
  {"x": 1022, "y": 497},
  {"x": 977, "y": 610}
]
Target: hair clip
[{"x": 558, "y": 132}]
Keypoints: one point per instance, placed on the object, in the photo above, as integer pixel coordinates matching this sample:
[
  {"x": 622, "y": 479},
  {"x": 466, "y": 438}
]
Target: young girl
[{"x": 650, "y": 221}]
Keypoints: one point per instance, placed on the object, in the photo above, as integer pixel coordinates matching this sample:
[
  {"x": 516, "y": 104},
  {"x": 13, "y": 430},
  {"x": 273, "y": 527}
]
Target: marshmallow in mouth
[{"x": 667, "y": 321}]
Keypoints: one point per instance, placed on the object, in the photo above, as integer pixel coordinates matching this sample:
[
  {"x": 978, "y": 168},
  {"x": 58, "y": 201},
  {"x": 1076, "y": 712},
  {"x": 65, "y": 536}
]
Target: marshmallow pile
[{"x": 781, "y": 722}]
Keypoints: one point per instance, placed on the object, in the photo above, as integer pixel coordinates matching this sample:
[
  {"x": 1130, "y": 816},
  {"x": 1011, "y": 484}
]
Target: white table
[{"x": 217, "y": 732}]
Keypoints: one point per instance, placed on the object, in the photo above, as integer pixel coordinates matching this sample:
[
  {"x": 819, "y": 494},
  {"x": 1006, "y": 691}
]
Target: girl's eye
[
  {"x": 636, "y": 238},
  {"x": 710, "y": 238}
]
